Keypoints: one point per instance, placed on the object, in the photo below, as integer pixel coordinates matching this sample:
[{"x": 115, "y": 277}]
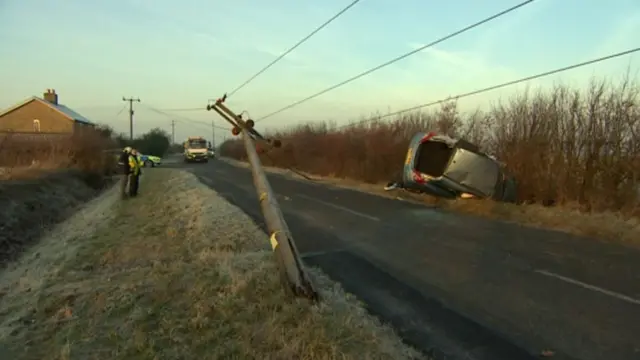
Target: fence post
[{"x": 295, "y": 279}]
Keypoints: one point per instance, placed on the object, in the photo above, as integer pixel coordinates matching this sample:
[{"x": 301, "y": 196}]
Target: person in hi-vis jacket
[
  {"x": 125, "y": 169},
  {"x": 136, "y": 170}
]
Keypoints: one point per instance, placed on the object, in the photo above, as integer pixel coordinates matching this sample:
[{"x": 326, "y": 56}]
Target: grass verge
[{"x": 174, "y": 274}]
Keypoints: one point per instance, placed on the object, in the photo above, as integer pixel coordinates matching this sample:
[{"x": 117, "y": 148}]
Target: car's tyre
[{"x": 148, "y": 163}]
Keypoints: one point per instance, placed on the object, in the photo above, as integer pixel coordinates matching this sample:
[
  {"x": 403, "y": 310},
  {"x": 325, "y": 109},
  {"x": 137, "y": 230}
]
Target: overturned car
[{"x": 454, "y": 168}]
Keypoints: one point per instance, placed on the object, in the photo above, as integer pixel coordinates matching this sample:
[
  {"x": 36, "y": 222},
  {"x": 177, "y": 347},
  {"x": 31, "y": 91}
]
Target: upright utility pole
[
  {"x": 173, "y": 132},
  {"x": 130, "y": 100},
  {"x": 213, "y": 135}
]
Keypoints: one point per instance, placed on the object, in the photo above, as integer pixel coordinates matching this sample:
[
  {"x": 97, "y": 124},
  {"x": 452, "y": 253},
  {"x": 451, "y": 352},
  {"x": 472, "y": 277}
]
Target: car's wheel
[{"x": 148, "y": 163}]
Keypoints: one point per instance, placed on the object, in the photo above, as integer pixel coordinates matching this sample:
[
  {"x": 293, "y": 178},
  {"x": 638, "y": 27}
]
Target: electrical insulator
[
  {"x": 235, "y": 131},
  {"x": 250, "y": 123}
]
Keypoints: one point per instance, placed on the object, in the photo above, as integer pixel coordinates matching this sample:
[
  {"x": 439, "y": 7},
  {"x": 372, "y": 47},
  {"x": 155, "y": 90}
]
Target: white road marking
[
  {"x": 590, "y": 287},
  {"x": 542, "y": 272},
  {"x": 340, "y": 208}
]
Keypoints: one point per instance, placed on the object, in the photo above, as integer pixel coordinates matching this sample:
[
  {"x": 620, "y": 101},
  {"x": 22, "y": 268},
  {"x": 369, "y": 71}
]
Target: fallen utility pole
[{"x": 295, "y": 279}]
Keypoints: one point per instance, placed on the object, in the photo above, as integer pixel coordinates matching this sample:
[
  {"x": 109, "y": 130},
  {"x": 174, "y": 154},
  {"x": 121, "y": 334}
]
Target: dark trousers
[
  {"x": 123, "y": 185},
  {"x": 133, "y": 186}
]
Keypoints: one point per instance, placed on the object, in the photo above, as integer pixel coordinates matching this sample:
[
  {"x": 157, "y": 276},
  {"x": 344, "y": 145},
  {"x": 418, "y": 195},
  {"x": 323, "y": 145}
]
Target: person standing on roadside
[
  {"x": 136, "y": 171},
  {"x": 125, "y": 168}
]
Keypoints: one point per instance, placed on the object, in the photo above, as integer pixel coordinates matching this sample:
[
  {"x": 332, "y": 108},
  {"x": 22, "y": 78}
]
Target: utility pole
[
  {"x": 292, "y": 271},
  {"x": 213, "y": 135},
  {"x": 173, "y": 132},
  {"x": 130, "y": 100}
]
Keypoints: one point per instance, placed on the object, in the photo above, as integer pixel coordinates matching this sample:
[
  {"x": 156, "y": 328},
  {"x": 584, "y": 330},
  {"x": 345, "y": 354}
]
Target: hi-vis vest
[{"x": 134, "y": 164}]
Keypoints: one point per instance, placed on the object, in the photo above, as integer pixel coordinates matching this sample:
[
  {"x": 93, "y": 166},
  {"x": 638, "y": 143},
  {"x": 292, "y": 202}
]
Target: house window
[{"x": 36, "y": 125}]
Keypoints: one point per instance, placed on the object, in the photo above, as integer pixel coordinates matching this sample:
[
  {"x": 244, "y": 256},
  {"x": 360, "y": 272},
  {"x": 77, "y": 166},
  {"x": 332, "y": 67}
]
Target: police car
[{"x": 150, "y": 160}]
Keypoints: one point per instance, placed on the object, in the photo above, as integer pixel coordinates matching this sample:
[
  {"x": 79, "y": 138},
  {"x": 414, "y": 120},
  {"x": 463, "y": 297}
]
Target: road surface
[{"x": 443, "y": 280}]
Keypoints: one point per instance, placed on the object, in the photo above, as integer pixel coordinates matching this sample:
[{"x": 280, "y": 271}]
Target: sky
[{"x": 180, "y": 54}]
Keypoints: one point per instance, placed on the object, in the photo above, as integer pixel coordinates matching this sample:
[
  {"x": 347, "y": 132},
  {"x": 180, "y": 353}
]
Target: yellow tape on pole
[{"x": 273, "y": 240}]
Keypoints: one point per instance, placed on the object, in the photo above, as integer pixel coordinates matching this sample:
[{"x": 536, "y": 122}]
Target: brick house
[{"x": 42, "y": 115}]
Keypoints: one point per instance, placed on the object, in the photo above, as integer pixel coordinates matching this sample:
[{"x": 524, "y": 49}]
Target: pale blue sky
[{"x": 178, "y": 54}]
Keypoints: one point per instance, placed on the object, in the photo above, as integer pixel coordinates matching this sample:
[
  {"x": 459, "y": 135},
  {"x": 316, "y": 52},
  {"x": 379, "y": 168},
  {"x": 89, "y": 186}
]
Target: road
[{"x": 471, "y": 287}]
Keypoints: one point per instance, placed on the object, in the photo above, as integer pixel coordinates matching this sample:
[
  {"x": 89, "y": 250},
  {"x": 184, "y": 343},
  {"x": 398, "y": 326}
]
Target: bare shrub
[
  {"x": 26, "y": 155},
  {"x": 570, "y": 147}
]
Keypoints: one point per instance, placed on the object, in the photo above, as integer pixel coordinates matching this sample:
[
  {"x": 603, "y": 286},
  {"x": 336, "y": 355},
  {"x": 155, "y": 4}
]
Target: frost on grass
[
  {"x": 28, "y": 207},
  {"x": 177, "y": 273}
]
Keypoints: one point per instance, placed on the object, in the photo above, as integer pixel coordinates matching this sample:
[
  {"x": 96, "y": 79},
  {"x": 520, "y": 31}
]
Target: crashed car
[{"x": 454, "y": 168}]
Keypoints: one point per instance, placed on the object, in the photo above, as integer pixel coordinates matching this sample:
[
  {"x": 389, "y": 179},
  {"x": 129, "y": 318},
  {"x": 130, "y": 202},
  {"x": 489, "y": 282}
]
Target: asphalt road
[{"x": 467, "y": 286}]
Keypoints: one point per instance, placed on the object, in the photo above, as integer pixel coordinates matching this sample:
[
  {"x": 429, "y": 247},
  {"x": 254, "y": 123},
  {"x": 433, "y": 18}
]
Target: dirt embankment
[
  {"x": 177, "y": 273},
  {"x": 31, "y": 205}
]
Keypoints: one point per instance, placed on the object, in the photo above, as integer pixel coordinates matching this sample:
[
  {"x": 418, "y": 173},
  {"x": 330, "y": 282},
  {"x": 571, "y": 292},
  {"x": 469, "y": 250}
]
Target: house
[{"x": 42, "y": 115}]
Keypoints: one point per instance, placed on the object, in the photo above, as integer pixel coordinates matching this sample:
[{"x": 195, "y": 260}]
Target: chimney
[{"x": 51, "y": 96}]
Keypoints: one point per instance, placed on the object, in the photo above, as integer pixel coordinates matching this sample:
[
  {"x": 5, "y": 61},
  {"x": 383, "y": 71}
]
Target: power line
[
  {"x": 463, "y": 30},
  {"x": 201, "y": 108},
  {"x": 490, "y": 88},
  {"x": 495, "y": 87},
  {"x": 183, "y": 118},
  {"x": 202, "y": 124},
  {"x": 212, "y": 126},
  {"x": 294, "y": 47},
  {"x": 474, "y": 92},
  {"x": 121, "y": 110},
  {"x": 115, "y": 117}
]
